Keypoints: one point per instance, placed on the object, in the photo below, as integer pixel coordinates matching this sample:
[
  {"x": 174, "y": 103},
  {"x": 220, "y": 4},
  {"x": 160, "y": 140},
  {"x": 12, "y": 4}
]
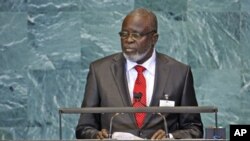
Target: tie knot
[{"x": 139, "y": 69}]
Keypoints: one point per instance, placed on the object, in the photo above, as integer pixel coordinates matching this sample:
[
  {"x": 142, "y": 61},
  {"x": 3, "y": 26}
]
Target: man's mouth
[{"x": 130, "y": 50}]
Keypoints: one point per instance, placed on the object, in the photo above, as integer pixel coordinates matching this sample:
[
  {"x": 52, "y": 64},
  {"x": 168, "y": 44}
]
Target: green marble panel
[
  {"x": 174, "y": 6},
  {"x": 51, "y": 90},
  {"x": 175, "y": 9},
  {"x": 245, "y": 4},
  {"x": 172, "y": 39},
  {"x": 46, "y": 47},
  {"x": 13, "y": 28},
  {"x": 47, "y": 6},
  {"x": 222, "y": 89},
  {"x": 14, "y": 87},
  {"x": 245, "y": 93},
  {"x": 245, "y": 42},
  {"x": 6, "y": 134},
  {"x": 100, "y": 6},
  {"x": 13, "y": 5},
  {"x": 213, "y": 40},
  {"x": 55, "y": 37},
  {"x": 214, "y": 5},
  {"x": 99, "y": 39}
]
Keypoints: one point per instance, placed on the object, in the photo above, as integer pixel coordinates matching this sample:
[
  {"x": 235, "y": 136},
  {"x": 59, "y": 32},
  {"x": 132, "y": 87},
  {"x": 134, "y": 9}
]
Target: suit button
[{"x": 140, "y": 133}]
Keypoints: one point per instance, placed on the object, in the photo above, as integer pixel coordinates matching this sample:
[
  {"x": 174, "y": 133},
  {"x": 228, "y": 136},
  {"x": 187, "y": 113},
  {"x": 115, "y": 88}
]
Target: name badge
[{"x": 167, "y": 103}]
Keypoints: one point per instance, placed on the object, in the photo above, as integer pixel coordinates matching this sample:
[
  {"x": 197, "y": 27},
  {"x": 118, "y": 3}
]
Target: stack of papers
[{"x": 125, "y": 136}]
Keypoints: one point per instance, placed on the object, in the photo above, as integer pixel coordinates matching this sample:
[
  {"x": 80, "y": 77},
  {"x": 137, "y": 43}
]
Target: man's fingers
[
  {"x": 99, "y": 135},
  {"x": 159, "y": 134},
  {"x": 104, "y": 133}
]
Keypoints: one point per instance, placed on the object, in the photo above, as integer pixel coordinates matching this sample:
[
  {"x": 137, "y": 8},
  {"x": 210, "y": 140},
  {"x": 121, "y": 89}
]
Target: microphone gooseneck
[
  {"x": 111, "y": 123},
  {"x": 165, "y": 124}
]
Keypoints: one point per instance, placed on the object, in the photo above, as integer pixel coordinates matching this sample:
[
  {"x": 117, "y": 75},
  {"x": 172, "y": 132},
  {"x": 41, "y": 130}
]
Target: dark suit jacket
[{"x": 107, "y": 87}]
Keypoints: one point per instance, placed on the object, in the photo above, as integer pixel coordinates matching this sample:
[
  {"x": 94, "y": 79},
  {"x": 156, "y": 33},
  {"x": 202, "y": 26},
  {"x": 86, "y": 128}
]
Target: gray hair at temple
[{"x": 147, "y": 14}]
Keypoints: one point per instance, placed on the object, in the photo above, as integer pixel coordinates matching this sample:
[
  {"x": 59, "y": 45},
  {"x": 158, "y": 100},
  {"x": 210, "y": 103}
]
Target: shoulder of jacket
[
  {"x": 170, "y": 60},
  {"x": 108, "y": 59}
]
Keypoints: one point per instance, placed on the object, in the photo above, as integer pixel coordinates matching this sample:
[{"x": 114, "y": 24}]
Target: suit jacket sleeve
[
  {"x": 88, "y": 124},
  {"x": 190, "y": 125}
]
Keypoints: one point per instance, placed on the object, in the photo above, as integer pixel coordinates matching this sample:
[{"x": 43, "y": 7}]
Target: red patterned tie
[{"x": 140, "y": 88}]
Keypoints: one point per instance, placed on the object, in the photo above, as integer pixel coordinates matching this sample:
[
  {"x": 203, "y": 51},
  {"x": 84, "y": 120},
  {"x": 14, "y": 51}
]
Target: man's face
[{"x": 137, "y": 49}]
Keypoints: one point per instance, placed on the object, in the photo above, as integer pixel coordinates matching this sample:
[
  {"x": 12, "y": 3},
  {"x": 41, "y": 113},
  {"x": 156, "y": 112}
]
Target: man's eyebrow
[{"x": 133, "y": 31}]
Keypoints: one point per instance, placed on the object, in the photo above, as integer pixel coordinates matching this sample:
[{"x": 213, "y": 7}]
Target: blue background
[{"x": 46, "y": 47}]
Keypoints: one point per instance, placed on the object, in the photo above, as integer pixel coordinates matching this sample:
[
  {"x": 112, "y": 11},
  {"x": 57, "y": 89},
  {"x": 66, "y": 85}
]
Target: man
[{"x": 139, "y": 76}]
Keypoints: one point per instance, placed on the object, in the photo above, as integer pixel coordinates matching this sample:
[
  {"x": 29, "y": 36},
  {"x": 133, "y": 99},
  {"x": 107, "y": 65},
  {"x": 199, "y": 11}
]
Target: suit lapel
[
  {"x": 161, "y": 77},
  {"x": 119, "y": 74},
  {"x": 120, "y": 78}
]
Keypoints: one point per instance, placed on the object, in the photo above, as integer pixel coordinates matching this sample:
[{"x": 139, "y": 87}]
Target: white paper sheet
[{"x": 125, "y": 136}]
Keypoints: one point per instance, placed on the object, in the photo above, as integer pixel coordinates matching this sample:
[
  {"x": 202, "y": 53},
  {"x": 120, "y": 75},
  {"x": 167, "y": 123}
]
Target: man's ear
[{"x": 155, "y": 38}]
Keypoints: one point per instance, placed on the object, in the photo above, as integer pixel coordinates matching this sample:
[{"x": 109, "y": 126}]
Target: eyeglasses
[{"x": 134, "y": 35}]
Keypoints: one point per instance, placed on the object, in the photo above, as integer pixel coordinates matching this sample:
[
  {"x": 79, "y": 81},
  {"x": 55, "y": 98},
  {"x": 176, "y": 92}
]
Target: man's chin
[{"x": 132, "y": 58}]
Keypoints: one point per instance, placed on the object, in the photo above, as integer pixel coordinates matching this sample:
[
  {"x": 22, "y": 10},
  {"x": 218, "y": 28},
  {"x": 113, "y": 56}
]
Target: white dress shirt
[{"x": 149, "y": 75}]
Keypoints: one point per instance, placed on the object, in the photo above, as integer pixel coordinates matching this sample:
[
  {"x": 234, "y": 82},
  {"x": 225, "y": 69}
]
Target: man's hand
[
  {"x": 159, "y": 134},
  {"x": 102, "y": 134}
]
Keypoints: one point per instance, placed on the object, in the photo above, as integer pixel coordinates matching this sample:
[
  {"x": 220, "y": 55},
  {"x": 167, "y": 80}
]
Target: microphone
[
  {"x": 137, "y": 98},
  {"x": 111, "y": 123}
]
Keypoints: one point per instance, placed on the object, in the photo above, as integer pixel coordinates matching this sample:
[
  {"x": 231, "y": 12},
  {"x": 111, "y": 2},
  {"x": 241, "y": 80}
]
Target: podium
[{"x": 176, "y": 110}]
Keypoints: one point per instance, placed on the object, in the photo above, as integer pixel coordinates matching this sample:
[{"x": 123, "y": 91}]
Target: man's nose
[{"x": 130, "y": 38}]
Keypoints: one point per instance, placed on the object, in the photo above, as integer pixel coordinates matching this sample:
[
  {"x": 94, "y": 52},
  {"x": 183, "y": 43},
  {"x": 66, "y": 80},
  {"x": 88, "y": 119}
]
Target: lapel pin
[{"x": 166, "y": 96}]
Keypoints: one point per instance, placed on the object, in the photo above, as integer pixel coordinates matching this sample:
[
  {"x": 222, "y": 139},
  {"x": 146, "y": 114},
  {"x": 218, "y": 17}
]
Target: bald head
[{"x": 149, "y": 17}]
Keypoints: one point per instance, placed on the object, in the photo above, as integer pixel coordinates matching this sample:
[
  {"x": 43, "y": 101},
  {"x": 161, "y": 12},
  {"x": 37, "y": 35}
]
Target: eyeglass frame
[{"x": 134, "y": 33}]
